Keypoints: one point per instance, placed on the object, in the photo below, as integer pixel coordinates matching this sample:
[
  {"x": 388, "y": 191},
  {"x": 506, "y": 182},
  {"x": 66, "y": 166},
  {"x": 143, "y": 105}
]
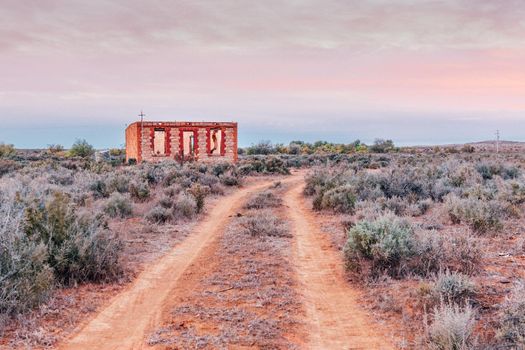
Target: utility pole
[{"x": 497, "y": 141}]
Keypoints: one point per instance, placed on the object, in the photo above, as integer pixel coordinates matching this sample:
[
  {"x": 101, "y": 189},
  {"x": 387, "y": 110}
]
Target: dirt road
[
  {"x": 124, "y": 323},
  {"x": 335, "y": 320}
]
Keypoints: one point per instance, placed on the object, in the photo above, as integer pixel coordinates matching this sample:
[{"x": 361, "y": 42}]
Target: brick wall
[{"x": 143, "y": 151}]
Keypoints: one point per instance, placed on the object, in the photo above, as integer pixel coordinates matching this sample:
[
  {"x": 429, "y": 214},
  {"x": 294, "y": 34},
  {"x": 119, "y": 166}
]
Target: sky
[{"x": 415, "y": 71}]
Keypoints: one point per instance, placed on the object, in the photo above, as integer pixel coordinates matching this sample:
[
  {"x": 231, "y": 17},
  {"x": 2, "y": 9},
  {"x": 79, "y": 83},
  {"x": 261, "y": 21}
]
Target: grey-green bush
[
  {"x": 452, "y": 287},
  {"x": 511, "y": 330},
  {"x": 383, "y": 245},
  {"x": 265, "y": 199},
  {"x": 452, "y": 328},
  {"x": 482, "y": 216},
  {"x": 118, "y": 205},
  {"x": 184, "y": 207},
  {"x": 263, "y": 223}
]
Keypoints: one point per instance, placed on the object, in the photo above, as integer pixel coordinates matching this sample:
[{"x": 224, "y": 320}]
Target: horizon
[{"x": 416, "y": 72}]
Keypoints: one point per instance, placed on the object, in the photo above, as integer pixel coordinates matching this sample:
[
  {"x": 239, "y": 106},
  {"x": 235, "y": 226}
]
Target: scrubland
[
  {"x": 433, "y": 239},
  {"x": 70, "y": 226},
  {"x": 437, "y": 240}
]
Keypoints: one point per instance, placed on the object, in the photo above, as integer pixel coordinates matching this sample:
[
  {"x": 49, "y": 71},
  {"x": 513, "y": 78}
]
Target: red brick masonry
[{"x": 140, "y": 141}]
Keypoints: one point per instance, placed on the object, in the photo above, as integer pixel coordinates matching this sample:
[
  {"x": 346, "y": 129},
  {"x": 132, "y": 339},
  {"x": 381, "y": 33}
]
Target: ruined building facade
[{"x": 181, "y": 141}]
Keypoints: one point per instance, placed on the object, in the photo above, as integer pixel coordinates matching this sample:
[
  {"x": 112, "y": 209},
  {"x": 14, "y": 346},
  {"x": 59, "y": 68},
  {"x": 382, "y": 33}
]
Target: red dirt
[
  {"x": 124, "y": 323},
  {"x": 334, "y": 318}
]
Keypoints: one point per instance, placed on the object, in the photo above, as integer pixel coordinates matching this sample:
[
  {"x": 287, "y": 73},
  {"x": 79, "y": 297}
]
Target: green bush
[
  {"x": 6, "y": 151},
  {"x": 26, "y": 279},
  {"x": 81, "y": 148},
  {"x": 79, "y": 248},
  {"x": 382, "y": 245}
]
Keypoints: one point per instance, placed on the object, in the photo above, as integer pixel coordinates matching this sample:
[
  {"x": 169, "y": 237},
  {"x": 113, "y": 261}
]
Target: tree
[
  {"x": 81, "y": 148},
  {"x": 382, "y": 146}
]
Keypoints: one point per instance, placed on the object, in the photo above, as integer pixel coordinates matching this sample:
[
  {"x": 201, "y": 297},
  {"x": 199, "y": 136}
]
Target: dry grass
[{"x": 247, "y": 299}]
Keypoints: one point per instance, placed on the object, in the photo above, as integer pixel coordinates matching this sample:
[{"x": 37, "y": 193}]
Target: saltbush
[
  {"x": 79, "y": 247},
  {"x": 482, "y": 216},
  {"x": 265, "y": 199},
  {"x": 263, "y": 223},
  {"x": 184, "y": 207},
  {"x": 139, "y": 192},
  {"x": 118, "y": 205},
  {"x": 158, "y": 215},
  {"x": 511, "y": 329},
  {"x": 383, "y": 245},
  {"x": 452, "y": 287},
  {"x": 452, "y": 328},
  {"x": 341, "y": 199}
]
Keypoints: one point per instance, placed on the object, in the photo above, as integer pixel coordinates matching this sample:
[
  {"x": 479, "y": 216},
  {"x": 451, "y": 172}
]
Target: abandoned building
[{"x": 181, "y": 141}]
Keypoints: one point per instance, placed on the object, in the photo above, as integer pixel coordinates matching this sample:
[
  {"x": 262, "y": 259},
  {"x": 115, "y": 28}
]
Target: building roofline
[{"x": 150, "y": 123}]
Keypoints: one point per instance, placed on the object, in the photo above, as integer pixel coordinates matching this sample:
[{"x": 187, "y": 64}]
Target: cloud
[
  {"x": 136, "y": 25},
  {"x": 294, "y": 64}
]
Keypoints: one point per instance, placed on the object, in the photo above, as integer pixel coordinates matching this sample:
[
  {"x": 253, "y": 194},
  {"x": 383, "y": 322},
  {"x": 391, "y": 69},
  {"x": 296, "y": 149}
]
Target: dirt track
[{"x": 334, "y": 318}]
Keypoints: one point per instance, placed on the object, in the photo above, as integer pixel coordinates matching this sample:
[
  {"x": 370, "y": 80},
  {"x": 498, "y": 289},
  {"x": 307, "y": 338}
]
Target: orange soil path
[
  {"x": 126, "y": 321},
  {"x": 335, "y": 320}
]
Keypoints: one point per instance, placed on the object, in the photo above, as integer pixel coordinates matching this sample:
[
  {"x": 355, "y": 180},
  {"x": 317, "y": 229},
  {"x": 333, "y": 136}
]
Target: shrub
[
  {"x": 25, "y": 275},
  {"x": 481, "y": 216},
  {"x": 79, "y": 247},
  {"x": 382, "y": 146},
  {"x": 99, "y": 189},
  {"x": 384, "y": 244},
  {"x": 118, "y": 206},
  {"x": 184, "y": 207},
  {"x": 166, "y": 202},
  {"x": 340, "y": 199},
  {"x": 452, "y": 328},
  {"x": 81, "y": 148},
  {"x": 229, "y": 180},
  {"x": 452, "y": 287},
  {"x": 6, "y": 150},
  {"x": 199, "y": 193},
  {"x": 263, "y": 223},
  {"x": 7, "y": 166},
  {"x": 453, "y": 251},
  {"x": 158, "y": 215},
  {"x": 490, "y": 169},
  {"x": 55, "y": 148},
  {"x": 119, "y": 183},
  {"x": 265, "y": 199},
  {"x": 511, "y": 330},
  {"x": 139, "y": 192}
]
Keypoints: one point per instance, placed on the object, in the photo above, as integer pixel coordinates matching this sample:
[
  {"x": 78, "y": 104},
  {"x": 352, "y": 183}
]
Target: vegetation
[
  {"x": 452, "y": 328},
  {"x": 81, "y": 148},
  {"x": 6, "y": 150}
]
